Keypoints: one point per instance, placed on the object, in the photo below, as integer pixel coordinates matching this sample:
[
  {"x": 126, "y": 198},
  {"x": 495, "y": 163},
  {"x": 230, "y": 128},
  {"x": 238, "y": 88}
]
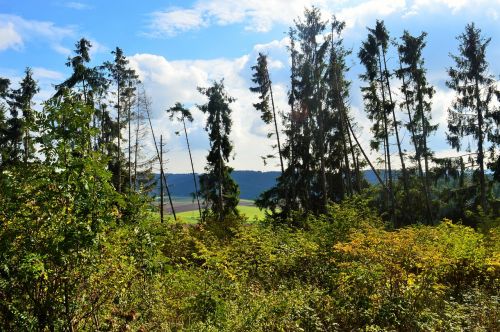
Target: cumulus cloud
[
  {"x": 170, "y": 81},
  {"x": 9, "y": 37},
  {"x": 15, "y": 30},
  {"x": 261, "y": 16}
]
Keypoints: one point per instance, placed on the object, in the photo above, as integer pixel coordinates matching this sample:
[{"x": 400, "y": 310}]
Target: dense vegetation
[{"x": 81, "y": 247}]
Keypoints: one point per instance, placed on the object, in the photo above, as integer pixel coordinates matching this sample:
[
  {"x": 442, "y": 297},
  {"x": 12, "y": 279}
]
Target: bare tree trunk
[
  {"x": 136, "y": 150},
  {"x": 386, "y": 137},
  {"x": 480, "y": 148},
  {"x": 119, "y": 146},
  {"x": 192, "y": 167},
  {"x": 276, "y": 125},
  {"x": 129, "y": 145},
  {"x": 396, "y": 130},
  {"x": 161, "y": 178},
  {"x": 158, "y": 155}
]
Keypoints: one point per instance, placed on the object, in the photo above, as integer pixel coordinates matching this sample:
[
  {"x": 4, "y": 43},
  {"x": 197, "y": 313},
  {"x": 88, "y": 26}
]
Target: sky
[{"x": 177, "y": 46}]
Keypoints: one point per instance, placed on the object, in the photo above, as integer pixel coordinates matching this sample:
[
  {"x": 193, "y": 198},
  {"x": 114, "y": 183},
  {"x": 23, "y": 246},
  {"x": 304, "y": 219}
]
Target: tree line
[{"x": 320, "y": 155}]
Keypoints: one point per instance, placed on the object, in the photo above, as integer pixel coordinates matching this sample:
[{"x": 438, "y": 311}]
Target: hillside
[{"x": 251, "y": 183}]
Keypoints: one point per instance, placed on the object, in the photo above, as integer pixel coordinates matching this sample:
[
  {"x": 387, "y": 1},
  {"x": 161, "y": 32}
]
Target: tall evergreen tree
[
  {"x": 217, "y": 187},
  {"x": 471, "y": 112},
  {"x": 265, "y": 89},
  {"x": 338, "y": 92},
  {"x": 418, "y": 94},
  {"x": 27, "y": 91},
  {"x": 377, "y": 108},
  {"x": 4, "y": 144},
  {"x": 121, "y": 75}
]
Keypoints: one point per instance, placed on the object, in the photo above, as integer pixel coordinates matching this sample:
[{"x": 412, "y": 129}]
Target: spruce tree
[
  {"x": 265, "y": 89},
  {"x": 218, "y": 189},
  {"x": 471, "y": 112},
  {"x": 22, "y": 99},
  {"x": 121, "y": 75},
  {"x": 417, "y": 103}
]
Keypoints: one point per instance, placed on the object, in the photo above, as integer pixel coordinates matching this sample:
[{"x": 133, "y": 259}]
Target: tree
[
  {"x": 217, "y": 187},
  {"x": 122, "y": 75},
  {"x": 4, "y": 88},
  {"x": 53, "y": 212},
  {"x": 338, "y": 92},
  {"x": 379, "y": 103},
  {"x": 143, "y": 177},
  {"x": 183, "y": 114},
  {"x": 471, "y": 112},
  {"x": 264, "y": 87},
  {"x": 18, "y": 127},
  {"x": 418, "y": 95},
  {"x": 24, "y": 97}
]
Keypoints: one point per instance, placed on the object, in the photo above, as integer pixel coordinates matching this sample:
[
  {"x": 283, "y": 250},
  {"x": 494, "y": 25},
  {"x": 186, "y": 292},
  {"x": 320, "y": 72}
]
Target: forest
[{"x": 85, "y": 247}]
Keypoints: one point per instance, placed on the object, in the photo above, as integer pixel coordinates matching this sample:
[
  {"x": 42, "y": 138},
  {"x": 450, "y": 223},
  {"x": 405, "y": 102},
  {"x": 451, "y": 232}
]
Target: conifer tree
[
  {"x": 376, "y": 107},
  {"x": 4, "y": 88},
  {"x": 418, "y": 94},
  {"x": 264, "y": 88},
  {"x": 23, "y": 100},
  {"x": 18, "y": 126},
  {"x": 315, "y": 124},
  {"x": 217, "y": 187},
  {"x": 471, "y": 112},
  {"x": 121, "y": 75}
]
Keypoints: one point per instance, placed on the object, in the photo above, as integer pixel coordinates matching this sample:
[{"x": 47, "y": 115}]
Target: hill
[{"x": 252, "y": 183}]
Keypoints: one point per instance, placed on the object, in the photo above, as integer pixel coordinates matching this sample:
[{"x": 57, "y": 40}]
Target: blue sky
[{"x": 178, "y": 45}]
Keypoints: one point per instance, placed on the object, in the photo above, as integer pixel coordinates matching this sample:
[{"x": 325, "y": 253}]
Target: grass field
[
  {"x": 251, "y": 212},
  {"x": 187, "y": 210}
]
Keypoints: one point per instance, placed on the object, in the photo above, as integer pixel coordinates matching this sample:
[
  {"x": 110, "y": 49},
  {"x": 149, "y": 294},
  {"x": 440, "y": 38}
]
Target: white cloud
[
  {"x": 171, "y": 22},
  {"x": 9, "y": 38},
  {"x": 15, "y": 30},
  {"x": 261, "y": 16},
  {"x": 44, "y": 73},
  {"x": 455, "y": 5},
  {"x": 77, "y": 5},
  {"x": 363, "y": 13}
]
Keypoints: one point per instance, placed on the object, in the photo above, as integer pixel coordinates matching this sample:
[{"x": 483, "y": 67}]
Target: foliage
[{"x": 218, "y": 189}]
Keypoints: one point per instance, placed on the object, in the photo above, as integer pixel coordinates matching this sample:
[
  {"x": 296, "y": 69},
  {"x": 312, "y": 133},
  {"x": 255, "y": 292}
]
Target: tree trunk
[
  {"x": 480, "y": 148},
  {"x": 129, "y": 146},
  {"x": 386, "y": 138},
  {"x": 276, "y": 125},
  {"x": 119, "y": 146},
  {"x": 192, "y": 167},
  {"x": 161, "y": 178},
  {"x": 396, "y": 130}
]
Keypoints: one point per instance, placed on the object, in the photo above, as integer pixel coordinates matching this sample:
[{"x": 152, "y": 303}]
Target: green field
[{"x": 251, "y": 212}]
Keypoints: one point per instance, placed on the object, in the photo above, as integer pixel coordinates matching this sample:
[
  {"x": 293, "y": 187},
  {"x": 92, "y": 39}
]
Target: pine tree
[
  {"x": 217, "y": 187},
  {"x": 471, "y": 113}
]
